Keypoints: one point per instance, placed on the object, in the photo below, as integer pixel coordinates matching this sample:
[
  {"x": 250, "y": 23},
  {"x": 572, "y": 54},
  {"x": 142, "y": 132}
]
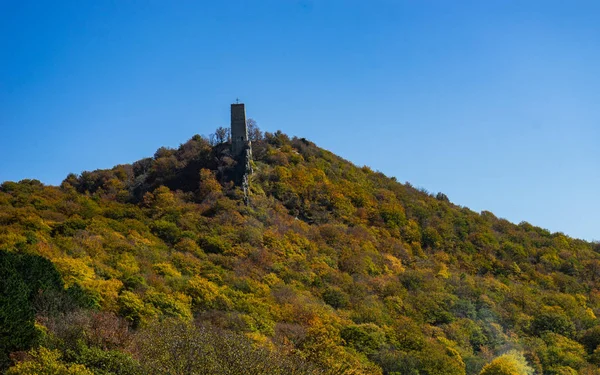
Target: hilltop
[{"x": 160, "y": 266}]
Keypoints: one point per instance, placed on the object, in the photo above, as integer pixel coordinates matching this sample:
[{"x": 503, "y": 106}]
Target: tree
[
  {"x": 552, "y": 319},
  {"x": 367, "y": 338},
  {"x": 222, "y": 135},
  {"x": 511, "y": 363},
  {"x": 24, "y": 279},
  {"x": 17, "y": 331},
  {"x": 208, "y": 184},
  {"x": 106, "y": 362},
  {"x": 174, "y": 347},
  {"x": 44, "y": 361},
  {"x": 254, "y": 133},
  {"x": 591, "y": 339}
]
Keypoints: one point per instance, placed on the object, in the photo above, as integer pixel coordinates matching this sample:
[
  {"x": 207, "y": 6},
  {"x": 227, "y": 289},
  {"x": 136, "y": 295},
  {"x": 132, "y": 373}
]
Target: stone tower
[
  {"x": 241, "y": 149},
  {"x": 239, "y": 132}
]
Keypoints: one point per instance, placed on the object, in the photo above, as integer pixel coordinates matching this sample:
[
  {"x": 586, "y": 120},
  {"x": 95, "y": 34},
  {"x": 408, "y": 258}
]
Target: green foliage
[
  {"x": 367, "y": 338},
  {"x": 17, "y": 330},
  {"x": 591, "y": 339},
  {"x": 433, "y": 359},
  {"x": 106, "y": 362},
  {"x": 336, "y": 297},
  {"x": 552, "y": 319},
  {"x": 214, "y": 244},
  {"x": 166, "y": 231},
  {"x": 562, "y": 352},
  {"x": 27, "y": 282}
]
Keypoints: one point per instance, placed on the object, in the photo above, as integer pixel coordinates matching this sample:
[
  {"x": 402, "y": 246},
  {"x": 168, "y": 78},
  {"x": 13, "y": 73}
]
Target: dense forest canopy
[{"x": 159, "y": 267}]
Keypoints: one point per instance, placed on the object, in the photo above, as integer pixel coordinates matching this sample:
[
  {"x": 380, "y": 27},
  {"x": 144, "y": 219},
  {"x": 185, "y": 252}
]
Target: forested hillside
[{"x": 160, "y": 268}]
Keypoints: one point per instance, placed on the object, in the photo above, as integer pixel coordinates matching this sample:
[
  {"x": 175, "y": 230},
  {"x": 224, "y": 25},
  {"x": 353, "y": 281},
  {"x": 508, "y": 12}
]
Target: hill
[{"x": 160, "y": 267}]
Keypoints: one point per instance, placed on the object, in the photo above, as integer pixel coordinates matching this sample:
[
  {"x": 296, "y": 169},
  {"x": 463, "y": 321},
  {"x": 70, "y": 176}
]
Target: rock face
[{"x": 241, "y": 147}]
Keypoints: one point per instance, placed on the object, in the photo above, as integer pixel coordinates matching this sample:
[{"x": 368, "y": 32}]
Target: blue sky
[{"x": 494, "y": 103}]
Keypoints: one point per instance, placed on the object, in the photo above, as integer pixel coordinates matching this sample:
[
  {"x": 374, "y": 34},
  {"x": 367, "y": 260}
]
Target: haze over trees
[{"x": 159, "y": 267}]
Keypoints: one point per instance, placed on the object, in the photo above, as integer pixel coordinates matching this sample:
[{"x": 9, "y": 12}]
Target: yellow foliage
[
  {"x": 138, "y": 239},
  {"x": 134, "y": 310},
  {"x": 260, "y": 340},
  {"x": 127, "y": 264},
  {"x": 393, "y": 264},
  {"x": 208, "y": 184},
  {"x": 282, "y": 173},
  {"x": 93, "y": 245},
  {"x": 190, "y": 246},
  {"x": 512, "y": 363},
  {"x": 11, "y": 239},
  {"x": 163, "y": 199},
  {"x": 589, "y": 314},
  {"x": 176, "y": 304},
  {"x": 44, "y": 361},
  {"x": 74, "y": 270},
  {"x": 107, "y": 290},
  {"x": 206, "y": 294},
  {"x": 271, "y": 279},
  {"x": 166, "y": 269},
  {"x": 443, "y": 271},
  {"x": 47, "y": 250}
]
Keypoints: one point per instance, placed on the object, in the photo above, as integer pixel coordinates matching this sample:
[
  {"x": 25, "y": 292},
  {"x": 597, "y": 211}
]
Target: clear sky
[{"x": 495, "y": 103}]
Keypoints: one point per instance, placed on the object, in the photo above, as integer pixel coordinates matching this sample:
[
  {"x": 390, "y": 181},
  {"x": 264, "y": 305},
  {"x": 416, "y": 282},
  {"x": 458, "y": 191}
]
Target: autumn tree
[
  {"x": 511, "y": 363},
  {"x": 43, "y": 361}
]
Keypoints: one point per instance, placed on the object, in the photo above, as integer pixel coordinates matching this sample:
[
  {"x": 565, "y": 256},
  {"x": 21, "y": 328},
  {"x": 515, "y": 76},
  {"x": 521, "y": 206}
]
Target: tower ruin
[
  {"x": 241, "y": 148},
  {"x": 239, "y": 131}
]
